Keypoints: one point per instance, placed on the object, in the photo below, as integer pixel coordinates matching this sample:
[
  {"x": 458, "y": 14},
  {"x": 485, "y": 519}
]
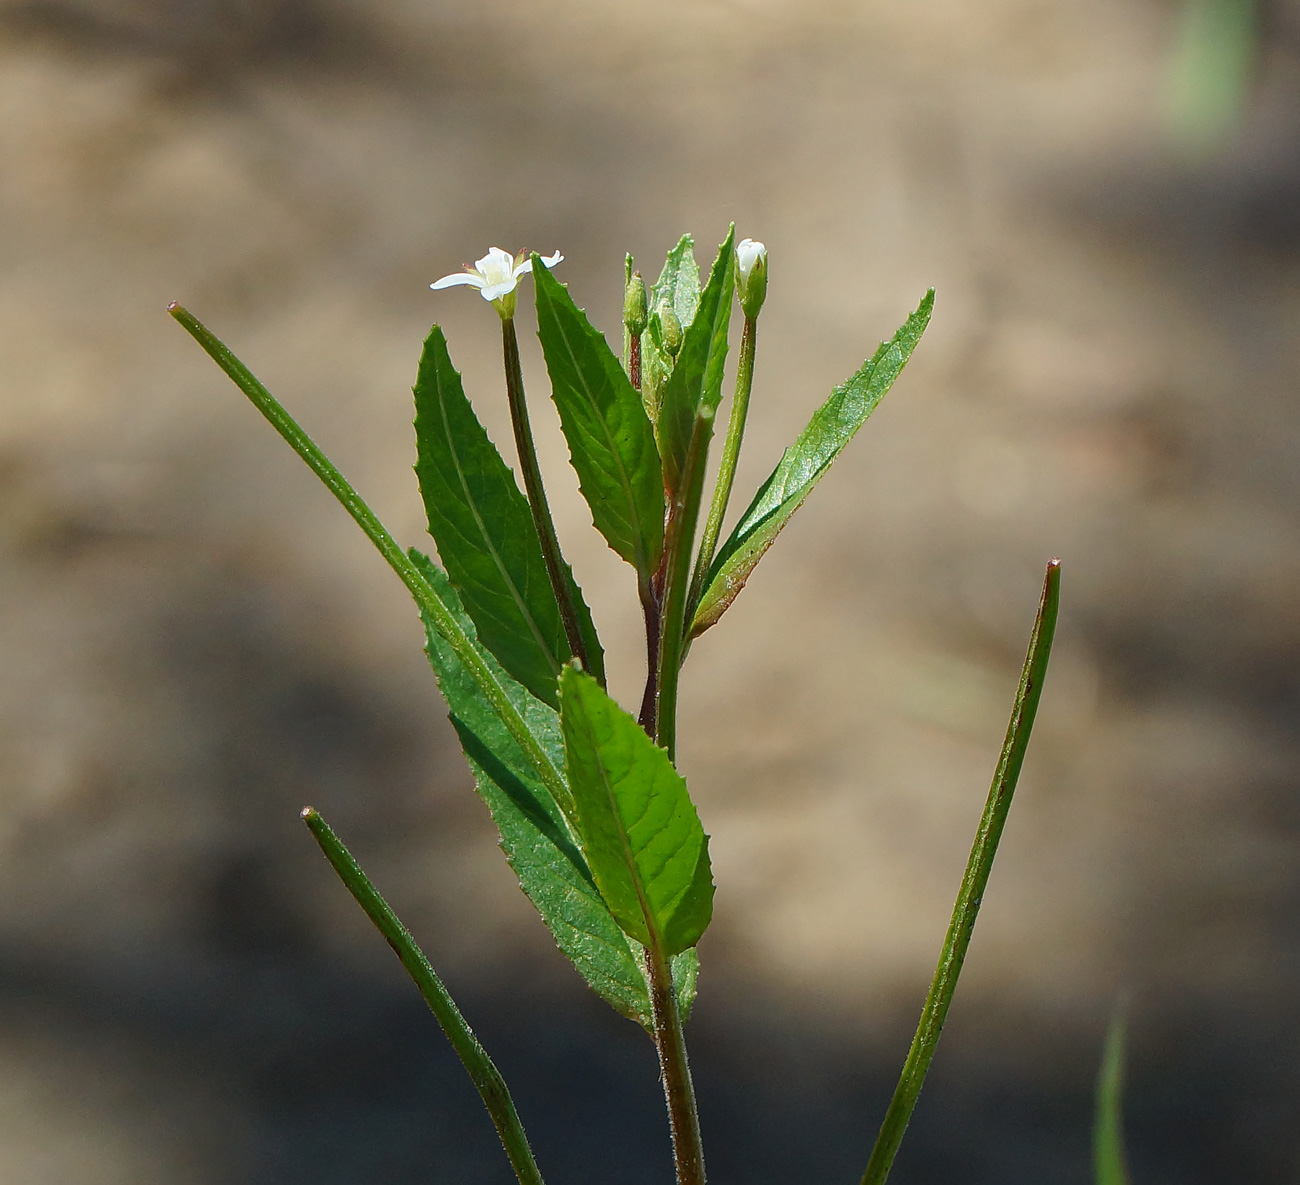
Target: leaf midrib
[{"x": 489, "y": 545}]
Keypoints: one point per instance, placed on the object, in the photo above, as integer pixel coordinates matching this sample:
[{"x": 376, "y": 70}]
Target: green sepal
[
  {"x": 485, "y": 533},
  {"x": 802, "y": 466},
  {"x": 638, "y": 827},
  {"x": 696, "y": 378},
  {"x": 611, "y": 441}
]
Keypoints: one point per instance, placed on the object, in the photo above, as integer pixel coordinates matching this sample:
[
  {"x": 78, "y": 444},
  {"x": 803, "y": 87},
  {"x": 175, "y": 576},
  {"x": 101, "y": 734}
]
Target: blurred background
[{"x": 196, "y": 642}]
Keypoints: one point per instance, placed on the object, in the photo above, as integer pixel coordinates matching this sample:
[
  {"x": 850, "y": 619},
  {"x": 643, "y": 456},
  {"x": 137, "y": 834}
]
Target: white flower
[
  {"x": 748, "y": 253},
  {"x": 751, "y": 278},
  {"x": 496, "y": 274}
]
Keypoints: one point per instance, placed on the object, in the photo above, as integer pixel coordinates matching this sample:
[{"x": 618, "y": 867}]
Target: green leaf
[
  {"x": 1109, "y": 1165},
  {"x": 802, "y": 466},
  {"x": 639, "y": 830},
  {"x": 678, "y": 288},
  {"x": 537, "y": 842},
  {"x": 974, "y": 882},
  {"x": 611, "y": 442},
  {"x": 484, "y": 530},
  {"x": 696, "y": 379},
  {"x": 483, "y": 1073}
]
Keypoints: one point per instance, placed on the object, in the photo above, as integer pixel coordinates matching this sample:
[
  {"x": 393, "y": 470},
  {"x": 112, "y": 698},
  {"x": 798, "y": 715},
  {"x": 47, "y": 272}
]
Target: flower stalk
[{"x": 536, "y": 492}]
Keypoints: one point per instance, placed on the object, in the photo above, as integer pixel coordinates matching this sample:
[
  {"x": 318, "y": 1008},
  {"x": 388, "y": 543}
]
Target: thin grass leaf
[
  {"x": 485, "y": 1076},
  {"x": 973, "y": 884},
  {"x": 802, "y": 466},
  {"x": 484, "y": 530},
  {"x": 435, "y": 611},
  {"x": 1109, "y": 1164}
]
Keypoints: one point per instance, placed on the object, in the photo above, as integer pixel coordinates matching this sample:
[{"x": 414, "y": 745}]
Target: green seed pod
[{"x": 672, "y": 330}]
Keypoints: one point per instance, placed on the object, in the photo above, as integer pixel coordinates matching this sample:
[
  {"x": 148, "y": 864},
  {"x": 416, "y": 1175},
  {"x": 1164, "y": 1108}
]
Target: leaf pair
[{"x": 542, "y": 849}]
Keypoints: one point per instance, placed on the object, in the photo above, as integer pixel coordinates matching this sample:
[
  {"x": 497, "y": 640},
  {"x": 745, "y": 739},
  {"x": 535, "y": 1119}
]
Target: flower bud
[
  {"x": 672, "y": 330},
  {"x": 751, "y": 276},
  {"x": 635, "y": 305}
]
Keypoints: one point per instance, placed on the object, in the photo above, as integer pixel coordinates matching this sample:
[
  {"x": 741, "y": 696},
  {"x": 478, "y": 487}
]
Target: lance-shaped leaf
[
  {"x": 802, "y": 466},
  {"x": 696, "y": 379},
  {"x": 484, "y": 531},
  {"x": 611, "y": 442},
  {"x": 639, "y": 830}
]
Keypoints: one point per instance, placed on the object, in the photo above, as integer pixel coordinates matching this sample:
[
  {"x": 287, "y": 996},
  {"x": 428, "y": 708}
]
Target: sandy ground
[{"x": 196, "y": 641}]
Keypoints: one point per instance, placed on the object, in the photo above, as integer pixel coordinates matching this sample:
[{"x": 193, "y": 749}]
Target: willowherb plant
[{"x": 594, "y": 818}]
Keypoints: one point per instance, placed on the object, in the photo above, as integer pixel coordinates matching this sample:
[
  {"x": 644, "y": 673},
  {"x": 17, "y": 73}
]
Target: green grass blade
[
  {"x": 431, "y": 605},
  {"x": 1109, "y": 1165},
  {"x": 611, "y": 441},
  {"x": 639, "y": 829},
  {"x": 973, "y": 883},
  {"x": 485, "y": 1076},
  {"x": 484, "y": 530},
  {"x": 802, "y": 466},
  {"x": 696, "y": 380}
]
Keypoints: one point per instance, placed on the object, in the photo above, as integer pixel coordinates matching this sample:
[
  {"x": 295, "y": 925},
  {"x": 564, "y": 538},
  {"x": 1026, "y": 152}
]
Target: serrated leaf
[
  {"x": 537, "y": 842},
  {"x": 639, "y": 829},
  {"x": 802, "y": 466},
  {"x": 696, "y": 378},
  {"x": 485, "y": 533},
  {"x": 611, "y": 442}
]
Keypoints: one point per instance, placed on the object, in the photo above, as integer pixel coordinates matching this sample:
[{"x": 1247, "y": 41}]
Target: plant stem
[
  {"x": 485, "y": 1076},
  {"x": 426, "y": 599},
  {"x": 1109, "y": 1165},
  {"x": 650, "y": 607},
  {"x": 727, "y": 468},
  {"x": 973, "y": 883},
  {"x": 675, "y": 1070},
  {"x": 679, "y": 535},
  {"x": 555, "y": 567}
]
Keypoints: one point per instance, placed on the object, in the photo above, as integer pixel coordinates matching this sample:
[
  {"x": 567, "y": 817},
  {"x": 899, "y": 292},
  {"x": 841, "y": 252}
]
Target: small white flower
[
  {"x": 496, "y": 274},
  {"x": 748, "y": 253}
]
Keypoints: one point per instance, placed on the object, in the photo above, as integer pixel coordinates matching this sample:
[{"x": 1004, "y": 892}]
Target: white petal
[
  {"x": 493, "y": 291},
  {"x": 458, "y": 278},
  {"x": 524, "y": 268},
  {"x": 748, "y": 252},
  {"x": 552, "y": 260}
]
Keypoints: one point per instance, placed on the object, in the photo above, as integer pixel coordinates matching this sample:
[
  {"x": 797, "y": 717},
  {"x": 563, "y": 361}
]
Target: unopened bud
[
  {"x": 672, "y": 330},
  {"x": 751, "y": 276},
  {"x": 636, "y": 305}
]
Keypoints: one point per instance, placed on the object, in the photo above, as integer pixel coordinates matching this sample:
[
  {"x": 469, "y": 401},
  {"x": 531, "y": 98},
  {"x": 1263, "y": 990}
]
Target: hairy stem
[
  {"x": 679, "y": 535},
  {"x": 727, "y": 467},
  {"x": 675, "y": 1070},
  {"x": 537, "y": 495},
  {"x": 973, "y": 883},
  {"x": 426, "y": 599}
]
